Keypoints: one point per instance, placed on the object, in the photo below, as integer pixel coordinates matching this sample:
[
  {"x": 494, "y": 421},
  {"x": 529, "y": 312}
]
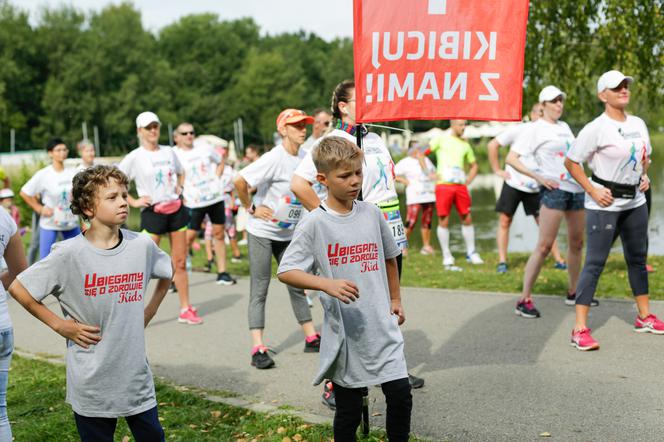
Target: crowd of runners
[{"x": 292, "y": 203}]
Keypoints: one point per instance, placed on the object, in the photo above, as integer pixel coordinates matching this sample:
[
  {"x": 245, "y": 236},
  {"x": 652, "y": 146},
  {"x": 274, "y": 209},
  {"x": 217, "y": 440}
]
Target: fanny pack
[
  {"x": 167, "y": 207},
  {"x": 618, "y": 190}
]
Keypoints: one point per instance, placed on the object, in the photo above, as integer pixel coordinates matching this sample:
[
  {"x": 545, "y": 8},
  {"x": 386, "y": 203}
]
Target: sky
[{"x": 328, "y": 19}]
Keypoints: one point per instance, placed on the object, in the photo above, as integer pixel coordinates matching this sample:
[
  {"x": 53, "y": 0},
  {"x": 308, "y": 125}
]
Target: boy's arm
[
  {"x": 157, "y": 296},
  {"x": 15, "y": 258},
  {"x": 82, "y": 334},
  {"x": 344, "y": 290},
  {"x": 395, "y": 289}
]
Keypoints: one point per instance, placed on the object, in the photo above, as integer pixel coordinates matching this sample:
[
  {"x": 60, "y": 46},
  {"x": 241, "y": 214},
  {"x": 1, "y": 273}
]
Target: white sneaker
[
  {"x": 474, "y": 258},
  {"x": 242, "y": 242},
  {"x": 453, "y": 268},
  {"x": 448, "y": 261}
]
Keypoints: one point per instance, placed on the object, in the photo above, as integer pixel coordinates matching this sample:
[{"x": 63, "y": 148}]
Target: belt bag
[
  {"x": 618, "y": 190},
  {"x": 167, "y": 207}
]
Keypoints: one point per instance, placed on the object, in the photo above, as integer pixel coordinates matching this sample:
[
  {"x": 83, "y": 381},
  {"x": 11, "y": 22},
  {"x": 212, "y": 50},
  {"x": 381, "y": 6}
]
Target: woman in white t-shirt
[
  {"x": 418, "y": 174},
  {"x": 159, "y": 176},
  {"x": 548, "y": 140},
  {"x": 274, "y": 213},
  {"x": 377, "y": 183},
  {"x": 54, "y": 184},
  {"x": 617, "y": 148},
  {"x": 11, "y": 249}
]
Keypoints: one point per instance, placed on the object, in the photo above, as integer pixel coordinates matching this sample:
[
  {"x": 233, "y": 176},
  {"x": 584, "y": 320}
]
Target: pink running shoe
[
  {"x": 190, "y": 317},
  {"x": 649, "y": 324},
  {"x": 583, "y": 341}
]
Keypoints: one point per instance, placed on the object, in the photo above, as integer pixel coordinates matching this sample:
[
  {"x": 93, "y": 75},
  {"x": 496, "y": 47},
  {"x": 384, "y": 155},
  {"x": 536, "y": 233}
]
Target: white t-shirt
[
  {"x": 7, "y": 230},
  {"x": 517, "y": 180},
  {"x": 615, "y": 151},
  {"x": 378, "y": 169},
  {"x": 421, "y": 188},
  {"x": 271, "y": 174},
  {"x": 201, "y": 183},
  {"x": 55, "y": 190},
  {"x": 548, "y": 143},
  {"x": 226, "y": 184},
  {"x": 154, "y": 171},
  {"x": 308, "y": 144}
]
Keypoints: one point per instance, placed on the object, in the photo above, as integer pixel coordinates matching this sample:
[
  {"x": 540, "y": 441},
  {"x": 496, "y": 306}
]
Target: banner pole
[{"x": 358, "y": 139}]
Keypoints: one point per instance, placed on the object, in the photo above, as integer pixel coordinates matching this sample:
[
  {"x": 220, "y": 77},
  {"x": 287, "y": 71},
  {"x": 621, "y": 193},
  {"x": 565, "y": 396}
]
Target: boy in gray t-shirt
[
  {"x": 100, "y": 280},
  {"x": 350, "y": 242}
]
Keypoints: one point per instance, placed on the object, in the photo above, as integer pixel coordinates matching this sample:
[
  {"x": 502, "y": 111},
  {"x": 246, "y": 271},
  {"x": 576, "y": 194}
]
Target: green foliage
[{"x": 66, "y": 67}]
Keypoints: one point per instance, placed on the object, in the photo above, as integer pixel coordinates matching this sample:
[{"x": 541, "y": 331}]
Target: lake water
[{"x": 524, "y": 232}]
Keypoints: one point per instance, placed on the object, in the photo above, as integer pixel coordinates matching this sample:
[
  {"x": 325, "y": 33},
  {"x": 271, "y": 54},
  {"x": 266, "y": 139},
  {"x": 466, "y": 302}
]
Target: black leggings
[
  {"x": 349, "y": 411},
  {"x": 602, "y": 228}
]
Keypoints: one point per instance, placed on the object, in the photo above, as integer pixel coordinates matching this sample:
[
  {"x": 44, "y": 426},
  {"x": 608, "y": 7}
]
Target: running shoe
[
  {"x": 582, "y": 340},
  {"x": 527, "y": 309},
  {"x": 236, "y": 259},
  {"x": 172, "y": 288},
  {"x": 649, "y": 268},
  {"x": 261, "y": 359},
  {"x": 242, "y": 242},
  {"x": 594, "y": 303},
  {"x": 502, "y": 267},
  {"x": 328, "y": 396},
  {"x": 224, "y": 278},
  {"x": 415, "y": 382},
  {"x": 312, "y": 344},
  {"x": 649, "y": 324},
  {"x": 570, "y": 299},
  {"x": 474, "y": 258},
  {"x": 190, "y": 317},
  {"x": 427, "y": 250},
  {"x": 208, "y": 266},
  {"x": 560, "y": 265},
  {"x": 448, "y": 264}
]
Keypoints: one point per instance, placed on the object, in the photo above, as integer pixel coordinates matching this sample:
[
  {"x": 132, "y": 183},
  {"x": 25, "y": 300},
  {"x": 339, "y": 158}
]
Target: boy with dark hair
[
  {"x": 100, "y": 280},
  {"x": 352, "y": 245}
]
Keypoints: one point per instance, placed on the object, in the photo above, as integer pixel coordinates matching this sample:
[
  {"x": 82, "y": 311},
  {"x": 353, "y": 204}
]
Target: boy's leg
[
  {"x": 46, "y": 240},
  {"x": 95, "y": 429},
  {"x": 348, "y": 414},
  {"x": 145, "y": 427},
  {"x": 399, "y": 406}
]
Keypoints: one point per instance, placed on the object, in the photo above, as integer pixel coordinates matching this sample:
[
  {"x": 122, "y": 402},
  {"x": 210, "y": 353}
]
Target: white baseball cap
[
  {"x": 611, "y": 79},
  {"x": 6, "y": 193},
  {"x": 549, "y": 93},
  {"x": 145, "y": 118}
]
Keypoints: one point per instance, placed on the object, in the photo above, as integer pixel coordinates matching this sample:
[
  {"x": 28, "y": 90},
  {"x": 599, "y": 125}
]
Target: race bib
[
  {"x": 454, "y": 175},
  {"x": 288, "y": 212},
  {"x": 428, "y": 186},
  {"x": 392, "y": 215}
]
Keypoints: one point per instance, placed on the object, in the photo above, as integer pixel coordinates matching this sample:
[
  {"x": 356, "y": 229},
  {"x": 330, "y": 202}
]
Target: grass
[{"x": 37, "y": 411}]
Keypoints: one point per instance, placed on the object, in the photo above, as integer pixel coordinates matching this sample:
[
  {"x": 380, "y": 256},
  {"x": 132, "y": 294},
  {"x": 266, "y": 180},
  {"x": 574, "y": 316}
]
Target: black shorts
[
  {"x": 216, "y": 213},
  {"x": 509, "y": 200},
  {"x": 158, "y": 224}
]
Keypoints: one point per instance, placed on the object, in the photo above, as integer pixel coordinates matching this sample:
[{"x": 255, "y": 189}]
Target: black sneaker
[
  {"x": 415, "y": 382},
  {"x": 570, "y": 299},
  {"x": 328, "y": 396},
  {"x": 261, "y": 359},
  {"x": 313, "y": 346},
  {"x": 172, "y": 288},
  {"x": 208, "y": 266},
  {"x": 526, "y": 309},
  {"x": 236, "y": 259},
  {"x": 224, "y": 278},
  {"x": 594, "y": 303}
]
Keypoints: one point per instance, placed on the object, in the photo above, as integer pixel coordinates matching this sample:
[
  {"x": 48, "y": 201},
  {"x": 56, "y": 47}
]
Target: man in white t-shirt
[
  {"x": 517, "y": 189},
  {"x": 202, "y": 192},
  {"x": 322, "y": 122}
]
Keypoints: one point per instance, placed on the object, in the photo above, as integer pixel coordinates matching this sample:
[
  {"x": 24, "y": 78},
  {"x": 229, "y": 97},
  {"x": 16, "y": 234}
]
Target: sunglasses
[
  {"x": 620, "y": 87},
  {"x": 557, "y": 99},
  {"x": 188, "y": 133}
]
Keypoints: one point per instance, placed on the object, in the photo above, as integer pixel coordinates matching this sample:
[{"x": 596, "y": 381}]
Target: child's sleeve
[
  {"x": 45, "y": 277},
  {"x": 161, "y": 267},
  {"x": 390, "y": 247},
  {"x": 299, "y": 255}
]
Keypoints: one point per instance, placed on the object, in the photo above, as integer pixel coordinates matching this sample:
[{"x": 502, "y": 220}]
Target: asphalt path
[{"x": 490, "y": 376}]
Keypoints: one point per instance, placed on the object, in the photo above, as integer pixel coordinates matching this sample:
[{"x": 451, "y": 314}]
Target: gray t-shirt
[
  {"x": 361, "y": 342},
  {"x": 105, "y": 288}
]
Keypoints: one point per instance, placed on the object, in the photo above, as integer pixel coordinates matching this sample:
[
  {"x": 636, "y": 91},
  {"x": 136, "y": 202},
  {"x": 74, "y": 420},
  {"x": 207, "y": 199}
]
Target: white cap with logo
[
  {"x": 611, "y": 79},
  {"x": 549, "y": 93},
  {"x": 145, "y": 118}
]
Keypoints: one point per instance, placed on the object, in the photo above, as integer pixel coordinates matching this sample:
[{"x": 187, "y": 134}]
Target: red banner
[{"x": 439, "y": 59}]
